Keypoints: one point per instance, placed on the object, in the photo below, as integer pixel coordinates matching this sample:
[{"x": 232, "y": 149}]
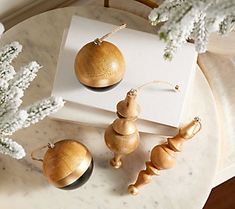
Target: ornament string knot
[
  {"x": 33, "y": 153},
  {"x": 50, "y": 145}
]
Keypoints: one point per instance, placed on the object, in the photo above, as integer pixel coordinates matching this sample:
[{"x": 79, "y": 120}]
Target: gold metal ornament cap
[
  {"x": 99, "y": 65},
  {"x": 66, "y": 162}
]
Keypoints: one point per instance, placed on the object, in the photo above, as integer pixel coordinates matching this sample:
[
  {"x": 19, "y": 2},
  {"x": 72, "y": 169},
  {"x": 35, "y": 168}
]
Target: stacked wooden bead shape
[
  {"x": 164, "y": 156},
  {"x": 122, "y": 136}
]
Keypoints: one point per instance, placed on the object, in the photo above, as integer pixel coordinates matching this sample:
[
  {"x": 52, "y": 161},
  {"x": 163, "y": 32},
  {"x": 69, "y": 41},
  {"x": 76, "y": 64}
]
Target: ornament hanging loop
[
  {"x": 33, "y": 153},
  {"x": 174, "y": 87},
  {"x": 197, "y": 127},
  {"x": 190, "y": 130}
]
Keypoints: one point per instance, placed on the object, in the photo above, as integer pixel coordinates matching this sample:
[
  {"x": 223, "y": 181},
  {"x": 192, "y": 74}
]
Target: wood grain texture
[
  {"x": 99, "y": 65},
  {"x": 149, "y": 3},
  {"x": 64, "y": 163},
  {"x": 163, "y": 156},
  {"x": 122, "y": 136}
]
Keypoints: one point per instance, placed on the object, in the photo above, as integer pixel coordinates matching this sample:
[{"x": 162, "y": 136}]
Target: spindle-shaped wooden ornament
[
  {"x": 99, "y": 64},
  {"x": 164, "y": 156},
  {"x": 67, "y": 164},
  {"x": 122, "y": 136}
]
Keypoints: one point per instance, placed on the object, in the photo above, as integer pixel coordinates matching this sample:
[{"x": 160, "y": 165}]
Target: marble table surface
[{"x": 22, "y": 182}]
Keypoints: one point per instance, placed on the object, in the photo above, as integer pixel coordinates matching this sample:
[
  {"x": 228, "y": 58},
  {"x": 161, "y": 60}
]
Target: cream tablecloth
[{"x": 218, "y": 65}]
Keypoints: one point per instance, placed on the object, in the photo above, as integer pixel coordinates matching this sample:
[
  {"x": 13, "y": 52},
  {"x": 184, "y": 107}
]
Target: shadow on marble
[
  {"x": 132, "y": 164},
  {"x": 26, "y": 175},
  {"x": 20, "y": 176}
]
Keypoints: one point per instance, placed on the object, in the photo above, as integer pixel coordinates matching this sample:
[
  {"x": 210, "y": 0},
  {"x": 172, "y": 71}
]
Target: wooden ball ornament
[
  {"x": 99, "y": 64},
  {"x": 67, "y": 164},
  {"x": 164, "y": 156}
]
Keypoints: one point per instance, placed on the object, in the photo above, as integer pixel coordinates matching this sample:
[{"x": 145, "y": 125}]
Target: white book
[{"x": 144, "y": 63}]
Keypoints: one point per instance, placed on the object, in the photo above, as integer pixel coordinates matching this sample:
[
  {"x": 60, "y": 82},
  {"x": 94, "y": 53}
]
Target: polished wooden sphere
[
  {"x": 99, "y": 65},
  {"x": 67, "y": 164},
  {"x": 121, "y": 144},
  {"x": 162, "y": 157}
]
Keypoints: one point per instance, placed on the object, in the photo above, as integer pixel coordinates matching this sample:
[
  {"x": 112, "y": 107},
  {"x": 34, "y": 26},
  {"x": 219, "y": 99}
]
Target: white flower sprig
[
  {"x": 12, "y": 86},
  {"x": 192, "y": 19}
]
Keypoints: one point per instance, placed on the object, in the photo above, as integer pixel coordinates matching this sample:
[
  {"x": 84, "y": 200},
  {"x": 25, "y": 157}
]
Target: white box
[{"x": 144, "y": 63}]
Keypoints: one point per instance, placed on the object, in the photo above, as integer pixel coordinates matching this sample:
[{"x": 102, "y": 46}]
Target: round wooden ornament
[
  {"x": 67, "y": 164},
  {"x": 100, "y": 65}
]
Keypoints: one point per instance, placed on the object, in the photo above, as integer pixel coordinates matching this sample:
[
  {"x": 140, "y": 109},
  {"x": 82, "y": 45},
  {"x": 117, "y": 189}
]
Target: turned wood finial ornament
[
  {"x": 99, "y": 64},
  {"x": 122, "y": 136},
  {"x": 67, "y": 164},
  {"x": 164, "y": 156}
]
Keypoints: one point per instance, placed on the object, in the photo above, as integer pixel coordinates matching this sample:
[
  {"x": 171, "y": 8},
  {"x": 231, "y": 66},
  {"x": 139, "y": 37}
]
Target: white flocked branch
[
  {"x": 12, "y": 86},
  {"x": 192, "y": 19}
]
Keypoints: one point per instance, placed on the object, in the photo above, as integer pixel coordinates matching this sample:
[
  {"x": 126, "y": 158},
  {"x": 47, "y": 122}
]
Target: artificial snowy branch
[
  {"x": 9, "y": 52},
  {"x": 12, "y": 122},
  {"x": 184, "y": 19},
  {"x": 26, "y": 74},
  {"x": 9, "y": 147},
  {"x": 12, "y": 86},
  {"x": 6, "y": 71},
  {"x": 41, "y": 109},
  {"x": 10, "y": 100}
]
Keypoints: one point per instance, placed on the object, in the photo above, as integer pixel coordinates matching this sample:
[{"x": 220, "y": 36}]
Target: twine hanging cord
[
  {"x": 49, "y": 145},
  {"x": 176, "y": 88},
  {"x": 98, "y": 41},
  {"x": 197, "y": 129}
]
